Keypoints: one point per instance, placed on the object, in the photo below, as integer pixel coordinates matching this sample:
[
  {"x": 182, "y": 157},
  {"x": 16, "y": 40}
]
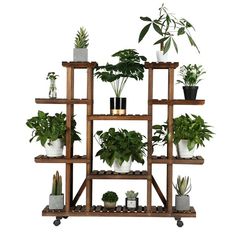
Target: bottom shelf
[{"x": 156, "y": 211}]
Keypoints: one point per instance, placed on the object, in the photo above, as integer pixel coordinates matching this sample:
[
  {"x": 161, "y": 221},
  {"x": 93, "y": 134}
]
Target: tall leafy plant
[{"x": 81, "y": 39}]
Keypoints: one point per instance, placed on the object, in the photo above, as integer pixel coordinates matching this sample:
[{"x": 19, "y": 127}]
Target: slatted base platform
[
  {"x": 196, "y": 160},
  {"x": 156, "y": 211},
  {"x": 61, "y": 159}
]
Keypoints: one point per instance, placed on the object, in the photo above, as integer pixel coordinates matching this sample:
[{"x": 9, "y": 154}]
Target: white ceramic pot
[
  {"x": 182, "y": 203},
  {"x": 183, "y": 151},
  {"x": 80, "y": 54},
  {"x": 124, "y": 168},
  {"x": 162, "y": 57},
  {"x": 56, "y": 202},
  {"x": 109, "y": 205},
  {"x": 55, "y": 148}
]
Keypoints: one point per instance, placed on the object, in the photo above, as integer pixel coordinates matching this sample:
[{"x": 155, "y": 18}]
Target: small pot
[
  {"x": 80, "y": 54},
  {"x": 124, "y": 168},
  {"x": 190, "y": 92},
  {"x": 56, "y": 202},
  {"x": 131, "y": 203},
  {"x": 54, "y": 148},
  {"x": 182, "y": 149},
  {"x": 161, "y": 57},
  {"x": 109, "y": 205},
  {"x": 182, "y": 203},
  {"x": 118, "y": 106}
]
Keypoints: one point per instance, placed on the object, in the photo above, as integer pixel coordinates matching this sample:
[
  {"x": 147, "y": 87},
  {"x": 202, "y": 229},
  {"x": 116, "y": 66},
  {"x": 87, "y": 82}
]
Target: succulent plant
[
  {"x": 183, "y": 185},
  {"x": 110, "y": 196},
  {"x": 57, "y": 184},
  {"x": 81, "y": 39},
  {"x": 131, "y": 194}
]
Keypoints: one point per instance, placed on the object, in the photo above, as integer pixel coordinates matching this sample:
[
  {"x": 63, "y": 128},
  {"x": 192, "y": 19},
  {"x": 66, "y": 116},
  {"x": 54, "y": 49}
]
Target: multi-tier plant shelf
[{"x": 150, "y": 210}]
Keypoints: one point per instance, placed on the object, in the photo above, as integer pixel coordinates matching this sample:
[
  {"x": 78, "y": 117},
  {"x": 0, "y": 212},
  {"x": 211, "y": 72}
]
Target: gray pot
[
  {"x": 80, "y": 54},
  {"x": 110, "y": 205},
  {"x": 182, "y": 203},
  {"x": 56, "y": 202}
]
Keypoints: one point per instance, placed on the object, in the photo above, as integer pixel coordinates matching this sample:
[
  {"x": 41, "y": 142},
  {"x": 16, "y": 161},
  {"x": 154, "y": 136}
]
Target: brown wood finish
[
  {"x": 161, "y": 65},
  {"x": 79, "y": 193},
  {"x": 120, "y": 117},
  {"x": 61, "y": 101},
  {"x": 176, "y": 102},
  {"x": 62, "y": 159},
  {"x": 79, "y": 65},
  {"x": 196, "y": 160},
  {"x": 159, "y": 192}
]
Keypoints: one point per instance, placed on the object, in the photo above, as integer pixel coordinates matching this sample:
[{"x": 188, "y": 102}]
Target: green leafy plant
[
  {"x": 50, "y": 128},
  {"x": 81, "y": 39},
  {"x": 120, "y": 145},
  {"x": 190, "y": 74},
  {"x": 168, "y": 28},
  {"x": 192, "y": 128},
  {"x": 131, "y": 194},
  {"x": 51, "y": 76},
  {"x": 129, "y": 66},
  {"x": 183, "y": 185},
  {"x": 110, "y": 196},
  {"x": 57, "y": 184}
]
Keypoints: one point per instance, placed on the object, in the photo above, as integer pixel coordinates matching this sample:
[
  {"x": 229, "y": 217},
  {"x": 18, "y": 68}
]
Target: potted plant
[
  {"x": 182, "y": 199},
  {"x": 81, "y": 44},
  {"x": 51, "y": 132},
  {"x": 190, "y": 78},
  {"x": 129, "y": 66},
  {"x": 110, "y": 198},
  {"x": 120, "y": 148},
  {"x": 52, "y": 88},
  {"x": 168, "y": 28},
  {"x": 189, "y": 132},
  {"x": 131, "y": 200},
  {"x": 56, "y": 198}
]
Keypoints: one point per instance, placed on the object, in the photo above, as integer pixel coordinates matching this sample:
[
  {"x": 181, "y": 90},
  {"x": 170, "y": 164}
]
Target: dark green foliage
[
  {"x": 168, "y": 27},
  {"x": 129, "y": 66},
  {"x": 194, "y": 129},
  {"x": 120, "y": 145},
  {"x": 81, "y": 39},
  {"x": 50, "y": 127},
  {"x": 110, "y": 196}
]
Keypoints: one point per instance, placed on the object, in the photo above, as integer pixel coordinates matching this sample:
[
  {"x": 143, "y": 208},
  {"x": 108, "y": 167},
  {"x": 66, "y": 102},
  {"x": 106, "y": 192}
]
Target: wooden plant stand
[{"x": 71, "y": 208}]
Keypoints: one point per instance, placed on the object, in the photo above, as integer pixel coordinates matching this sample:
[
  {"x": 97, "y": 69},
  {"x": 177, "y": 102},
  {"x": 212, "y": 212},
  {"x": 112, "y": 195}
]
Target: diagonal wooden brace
[
  {"x": 159, "y": 192},
  {"x": 79, "y": 193}
]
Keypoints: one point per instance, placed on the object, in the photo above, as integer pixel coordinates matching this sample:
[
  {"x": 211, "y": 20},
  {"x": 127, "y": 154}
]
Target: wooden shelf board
[
  {"x": 156, "y": 211},
  {"x": 102, "y": 174},
  {"x": 79, "y": 65},
  {"x": 119, "y": 117},
  {"x": 196, "y": 160},
  {"x": 61, "y": 101},
  {"x": 161, "y": 65},
  {"x": 62, "y": 159},
  {"x": 177, "y": 102}
]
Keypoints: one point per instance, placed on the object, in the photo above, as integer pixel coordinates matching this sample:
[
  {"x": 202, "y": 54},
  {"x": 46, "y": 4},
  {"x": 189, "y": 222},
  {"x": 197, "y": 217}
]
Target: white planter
[
  {"x": 162, "y": 57},
  {"x": 109, "y": 205},
  {"x": 124, "y": 168},
  {"x": 55, "y": 148},
  {"x": 182, "y": 203},
  {"x": 56, "y": 202},
  {"x": 80, "y": 54},
  {"x": 182, "y": 149}
]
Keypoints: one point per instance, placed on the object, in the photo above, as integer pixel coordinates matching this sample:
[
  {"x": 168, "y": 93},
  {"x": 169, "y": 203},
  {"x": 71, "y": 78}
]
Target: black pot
[
  {"x": 190, "y": 92},
  {"x": 118, "y": 106},
  {"x": 131, "y": 204}
]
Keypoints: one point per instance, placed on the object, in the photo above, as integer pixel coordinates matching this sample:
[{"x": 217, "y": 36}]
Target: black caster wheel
[
  {"x": 57, "y": 222},
  {"x": 65, "y": 217},
  {"x": 180, "y": 223}
]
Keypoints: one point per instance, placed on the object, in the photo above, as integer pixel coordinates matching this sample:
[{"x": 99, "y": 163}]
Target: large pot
[
  {"x": 56, "y": 202},
  {"x": 80, "y": 54},
  {"x": 190, "y": 92},
  {"x": 118, "y": 106},
  {"x": 54, "y": 148},
  {"x": 183, "y": 151},
  {"x": 124, "y": 168},
  {"x": 161, "y": 57},
  {"x": 182, "y": 202}
]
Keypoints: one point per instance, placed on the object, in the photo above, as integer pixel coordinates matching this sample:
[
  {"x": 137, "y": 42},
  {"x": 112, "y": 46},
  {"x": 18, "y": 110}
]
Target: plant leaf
[
  {"x": 145, "y": 18},
  {"x": 181, "y": 31},
  {"x": 162, "y": 40},
  {"x": 143, "y": 32},
  {"x": 175, "y": 45},
  {"x": 167, "y": 46},
  {"x": 157, "y": 29}
]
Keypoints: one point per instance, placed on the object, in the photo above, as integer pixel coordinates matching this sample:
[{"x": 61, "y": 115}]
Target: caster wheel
[
  {"x": 56, "y": 222},
  {"x": 180, "y": 223},
  {"x": 65, "y": 217}
]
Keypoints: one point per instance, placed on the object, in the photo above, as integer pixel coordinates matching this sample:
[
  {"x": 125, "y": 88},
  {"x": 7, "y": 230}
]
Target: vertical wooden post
[
  {"x": 149, "y": 132},
  {"x": 69, "y": 144},
  {"x": 170, "y": 139},
  {"x": 89, "y": 148}
]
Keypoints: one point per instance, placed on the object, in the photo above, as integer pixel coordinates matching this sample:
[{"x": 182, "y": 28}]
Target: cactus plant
[
  {"x": 57, "y": 184},
  {"x": 183, "y": 186},
  {"x": 81, "y": 39},
  {"x": 131, "y": 194}
]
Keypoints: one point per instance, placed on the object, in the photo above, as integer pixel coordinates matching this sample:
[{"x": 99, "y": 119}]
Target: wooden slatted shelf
[
  {"x": 196, "y": 160},
  {"x": 161, "y": 65},
  {"x": 176, "y": 102},
  {"x": 102, "y": 174},
  {"x": 119, "y": 117},
  {"x": 79, "y": 65},
  {"x": 61, "y": 101},
  {"x": 156, "y": 211},
  {"x": 62, "y": 159}
]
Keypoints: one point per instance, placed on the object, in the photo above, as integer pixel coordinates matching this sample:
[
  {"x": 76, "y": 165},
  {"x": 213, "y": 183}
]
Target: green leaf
[
  {"x": 175, "y": 45},
  {"x": 181, "y": 31},
  {"x": 143, "y": 32},
  {"x": 157, "y": 29},
  {"x": 145, "y": 18},
  {"x": 167, "y": 46},
  {"x": 162, "y": 40}
]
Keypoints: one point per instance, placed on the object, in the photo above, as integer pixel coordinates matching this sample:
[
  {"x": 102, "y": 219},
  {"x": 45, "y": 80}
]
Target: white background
[{"x": 36, "y": 36}]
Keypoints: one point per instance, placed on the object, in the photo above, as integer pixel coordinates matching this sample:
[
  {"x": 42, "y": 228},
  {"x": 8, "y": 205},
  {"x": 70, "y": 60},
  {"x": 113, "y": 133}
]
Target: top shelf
[
  {"x": 79, "y": 65},
  {"x": 161, "y": 65}
]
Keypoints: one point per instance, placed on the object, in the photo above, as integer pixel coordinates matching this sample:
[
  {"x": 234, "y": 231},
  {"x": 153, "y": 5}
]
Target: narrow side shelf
[
  {"x": 196, "y": 160},
  {"x": 119, "y": 117},
  {"x": 161, "y": 65},
  {"x": 79, "y": 65},
  {"x": 61, "y": 101},
  {"x": 156, "y": 211},
  {"x": 102, "y": 174},
  {"x": 176, "y": 102},
  {"x": 62, "y": 159}
]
